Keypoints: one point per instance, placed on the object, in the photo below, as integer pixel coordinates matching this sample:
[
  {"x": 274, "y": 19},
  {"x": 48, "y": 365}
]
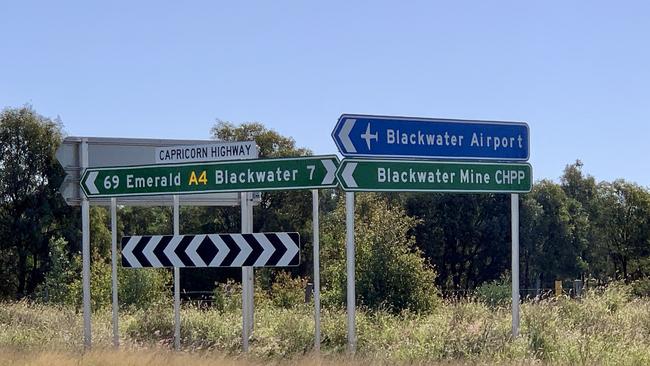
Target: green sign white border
[
  {"x": 343, "y": 162},
  {"x": 335, "y": 182}
]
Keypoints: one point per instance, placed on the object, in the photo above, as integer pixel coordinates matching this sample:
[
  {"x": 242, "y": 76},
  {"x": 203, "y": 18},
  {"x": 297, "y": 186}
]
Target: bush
[
  {"x": 641, "y": 287},
  {"x": 63, "y": 272},
  {"x": 227, "y": 296},
  {"x": 141, "y": 288},
  {"x": 390, "y": 271},
  {"x": 495, "y": 293},
  {"x": 136, "y": 287},
  {"x": 287, "y": 292}
]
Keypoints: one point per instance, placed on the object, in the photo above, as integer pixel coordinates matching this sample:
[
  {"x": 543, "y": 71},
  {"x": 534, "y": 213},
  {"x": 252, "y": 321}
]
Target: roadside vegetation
[{"x": 606, "y": 326}]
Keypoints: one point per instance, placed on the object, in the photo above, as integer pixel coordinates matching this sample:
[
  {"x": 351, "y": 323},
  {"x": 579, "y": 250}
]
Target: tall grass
[{"x": 607, "y": 327}]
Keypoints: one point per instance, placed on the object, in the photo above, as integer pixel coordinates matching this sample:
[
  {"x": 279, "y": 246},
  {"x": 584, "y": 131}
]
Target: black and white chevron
[{"x": 212, "y": 250}]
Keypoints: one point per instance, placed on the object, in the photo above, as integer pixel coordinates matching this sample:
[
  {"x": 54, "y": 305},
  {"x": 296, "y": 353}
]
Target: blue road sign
[{"x": 406, "y": 137}]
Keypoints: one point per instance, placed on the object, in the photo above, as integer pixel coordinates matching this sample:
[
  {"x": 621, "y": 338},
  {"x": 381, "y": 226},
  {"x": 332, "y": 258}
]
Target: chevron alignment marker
[{"x": 212, "y": 250}]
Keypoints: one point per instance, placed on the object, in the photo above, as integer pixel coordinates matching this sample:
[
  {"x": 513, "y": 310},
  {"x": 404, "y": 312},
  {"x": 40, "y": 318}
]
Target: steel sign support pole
[
  {"x": 514, "y": 200},
  {"x": 349, "y": 253},
  {"x": 246, "y": 327},
  {"x": 315, "y": 229},
  {"x": 177, "y": 282},
  {"x": 116, "y": 329},
  {"x": 85, "y": 250},
  {"x": 251, "y": 270}
]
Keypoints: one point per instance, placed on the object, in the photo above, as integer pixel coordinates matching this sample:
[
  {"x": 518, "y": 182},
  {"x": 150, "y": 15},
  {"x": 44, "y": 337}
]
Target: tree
[
  {"x": 555, "y": 236},
  {"x": 625, "y": 223},
  {"x": 29, "y": 205},
  {"x": 464, "y": 235}
]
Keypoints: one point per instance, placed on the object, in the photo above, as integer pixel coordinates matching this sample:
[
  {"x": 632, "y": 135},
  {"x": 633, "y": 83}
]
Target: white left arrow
[
  {"x": 347, "y": 175},
  {"x": 169, "y": 251},
  {"x": 127, "y": 251},
  {"x": 90, "y": 183},
  {"x": 344, "y": 135},
  {"x": 148, "y": 251},
  {"x": 330, "y": 168}
]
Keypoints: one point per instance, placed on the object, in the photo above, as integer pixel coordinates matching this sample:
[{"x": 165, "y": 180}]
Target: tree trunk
[{"x": 22, "y": 273}]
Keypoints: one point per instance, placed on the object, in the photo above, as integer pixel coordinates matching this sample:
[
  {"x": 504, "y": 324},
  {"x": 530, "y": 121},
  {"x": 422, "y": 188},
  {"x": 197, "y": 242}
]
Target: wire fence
[{"x": 207, "y": 298}]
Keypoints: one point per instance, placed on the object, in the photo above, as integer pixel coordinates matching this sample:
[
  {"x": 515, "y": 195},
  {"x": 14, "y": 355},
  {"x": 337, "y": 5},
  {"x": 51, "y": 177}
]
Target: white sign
[
  {"x": 110, "y": 151},
  {"x": 209, "y": 152}
]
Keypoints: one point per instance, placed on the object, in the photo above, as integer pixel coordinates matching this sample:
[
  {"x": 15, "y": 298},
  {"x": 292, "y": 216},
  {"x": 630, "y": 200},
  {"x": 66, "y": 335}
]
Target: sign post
[
  {"x": 514, "y": 208},
  {"x": 251, "y": 269},
  {"x": 177, "y": 282},
  {"x": 116, "y": 328},
  {"x": 85, "y": 252},
  {"x": 350, "y": 265},
  {"x": 247, "y": 275},
  {"x": 316, "y": 239}
]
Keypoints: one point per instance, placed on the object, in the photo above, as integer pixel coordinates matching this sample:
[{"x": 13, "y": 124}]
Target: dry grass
[
  {"x": 113, "y": 358},
  {"x": 143, "y": 357},
  {"x": 607, "y": 328}
]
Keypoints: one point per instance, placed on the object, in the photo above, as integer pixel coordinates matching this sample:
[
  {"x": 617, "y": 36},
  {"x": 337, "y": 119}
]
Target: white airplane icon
[{"x": 369, "y": 136}]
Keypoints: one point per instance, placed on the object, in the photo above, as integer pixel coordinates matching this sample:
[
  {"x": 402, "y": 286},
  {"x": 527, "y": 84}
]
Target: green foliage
[
  {"x": 625, "y": 223},
  {"x": 142, "y": 288},
  {"x": 495, "y": 293},
  {"x": 270, "y": 143},
  {"x": 390, "y": 271},
  {"x": 641, "y": 287},
  {"x": 554, "y": 235},
  {"x": 63, "y": 284},
  {"x": 464, "y": 235},
  {"x": 30, "y": 210},
  {"x": 227, "y": 296},
  {"x": 63, "y": 272}
]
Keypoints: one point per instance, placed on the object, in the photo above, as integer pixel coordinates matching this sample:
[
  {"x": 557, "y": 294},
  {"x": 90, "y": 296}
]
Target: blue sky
[{"x": 577, "y": 71}]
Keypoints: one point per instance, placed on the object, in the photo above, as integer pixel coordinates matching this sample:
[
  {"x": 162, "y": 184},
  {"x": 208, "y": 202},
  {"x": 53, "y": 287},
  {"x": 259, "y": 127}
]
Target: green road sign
[
  {"x": 433, "y": 176},
  {"x": 310, "y": 172}
]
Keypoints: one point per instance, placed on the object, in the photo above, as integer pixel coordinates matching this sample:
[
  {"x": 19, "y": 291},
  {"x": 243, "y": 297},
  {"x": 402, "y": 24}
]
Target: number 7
[{"x": 311, "y": 171}]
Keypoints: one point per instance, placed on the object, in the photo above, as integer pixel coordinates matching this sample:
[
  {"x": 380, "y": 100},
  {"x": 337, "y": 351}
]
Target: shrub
[
  {"x": 390, "y": 271},
  {"x": 141, "y": 288},
  {"x": 495, "y": 293},
  {"x": 63, "y": 272},
  {"x": 641, "y": 287},
  {"x": 287, "y": 292},
  {"x": 227, "y": 296}
]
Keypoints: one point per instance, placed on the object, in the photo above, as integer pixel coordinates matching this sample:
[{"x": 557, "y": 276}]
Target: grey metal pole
[
  {"x": 349, "y": 253},
  {"x": 244, "y": 277},
  {"x": 251, "y": 270},
  {"x": 514, "y": 203},
  {"x": 315, "y": 229},
  {"x": 85, "y": 249},
  {"x": 116, "y": 329},
  {"x": 177, "y": 282}
]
